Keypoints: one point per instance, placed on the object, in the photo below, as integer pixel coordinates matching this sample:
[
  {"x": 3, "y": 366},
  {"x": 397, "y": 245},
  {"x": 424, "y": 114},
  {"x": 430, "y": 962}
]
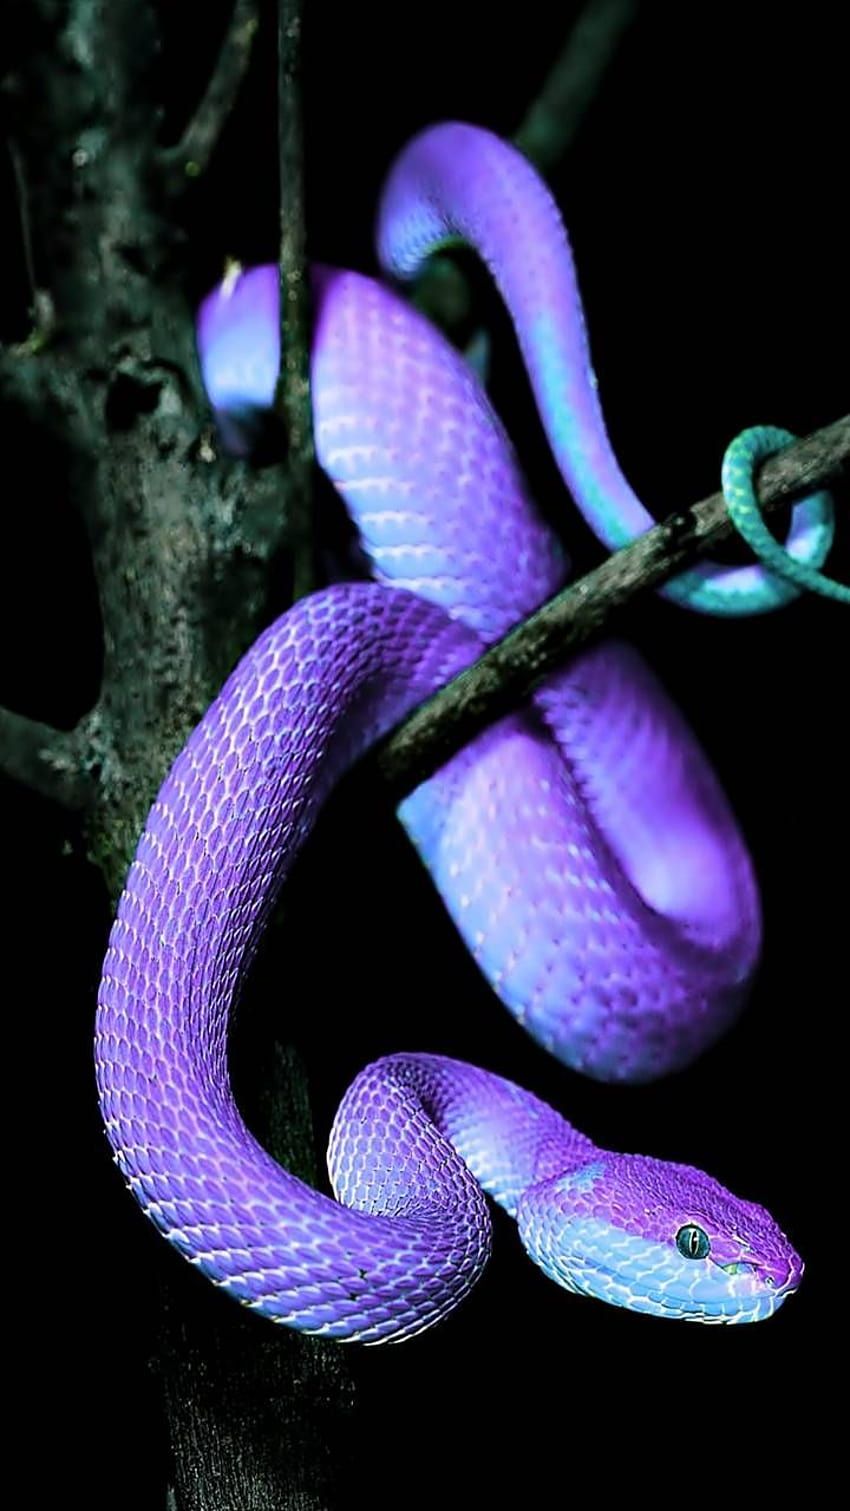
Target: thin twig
[
  {"x": 23, "y": 212},
  {"x": 41, "y": 305},
  {"x": 553, "y": 119},
  {"x": 441, "y": 290},
  {"x": 188, "y": 159},
  {"x": 293, "y": 388},
  {"x": 508, "y": 671}
]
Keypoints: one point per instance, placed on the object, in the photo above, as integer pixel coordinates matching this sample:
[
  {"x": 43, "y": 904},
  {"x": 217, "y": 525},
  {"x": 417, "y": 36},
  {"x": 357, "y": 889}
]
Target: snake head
[
  {"x": 238, "y": 339},
  {"x": 659, "y": 1238}
]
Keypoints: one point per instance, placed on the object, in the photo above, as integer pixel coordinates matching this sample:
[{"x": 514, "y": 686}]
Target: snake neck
[{"x": 506, "y": 1136}]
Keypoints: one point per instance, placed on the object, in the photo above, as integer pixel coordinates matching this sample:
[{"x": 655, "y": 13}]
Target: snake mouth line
[
  {"x": 760, "y": 1271},
  {"x": 727, "y": 1310}
]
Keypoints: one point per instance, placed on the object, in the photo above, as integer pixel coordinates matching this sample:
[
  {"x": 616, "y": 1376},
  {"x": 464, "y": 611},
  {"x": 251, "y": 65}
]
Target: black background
[{"x": 703, "y": 197}]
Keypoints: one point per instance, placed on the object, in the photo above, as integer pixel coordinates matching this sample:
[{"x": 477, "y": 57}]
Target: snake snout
[
  {"x": 783, "y": 1273},
  {"x": 780, "y": 1273}
]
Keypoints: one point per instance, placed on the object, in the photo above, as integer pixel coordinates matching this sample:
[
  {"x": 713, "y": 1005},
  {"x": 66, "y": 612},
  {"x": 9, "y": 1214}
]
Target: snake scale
[{"x": 582, "y": 845}]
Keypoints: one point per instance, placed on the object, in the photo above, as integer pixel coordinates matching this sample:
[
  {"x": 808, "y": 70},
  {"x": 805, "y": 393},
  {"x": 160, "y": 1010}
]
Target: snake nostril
[{"x": 780, "y": 1274}]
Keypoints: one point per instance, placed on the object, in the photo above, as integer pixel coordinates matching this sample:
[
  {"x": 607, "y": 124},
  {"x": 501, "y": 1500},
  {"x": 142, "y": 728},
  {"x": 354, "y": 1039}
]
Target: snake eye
[{"x": 692, "y": 1242}]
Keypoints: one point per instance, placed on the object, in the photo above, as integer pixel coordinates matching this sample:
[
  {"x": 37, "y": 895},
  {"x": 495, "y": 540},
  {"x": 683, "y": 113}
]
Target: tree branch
[
  {"x": 189, "y": 157},
  {"x": 549, "y": 128},
  {"x": 508, "y": 671},
  {"x": 552, "y": 121},
  {"x": 44, "y": 759},
  {"x": 181, "y": 546},
  {"x": 293, "y": 389}
]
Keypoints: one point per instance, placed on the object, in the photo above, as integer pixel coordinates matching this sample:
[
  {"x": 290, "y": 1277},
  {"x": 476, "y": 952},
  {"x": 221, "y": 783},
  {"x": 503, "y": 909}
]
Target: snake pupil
[{"x": 693, "y": 1242}]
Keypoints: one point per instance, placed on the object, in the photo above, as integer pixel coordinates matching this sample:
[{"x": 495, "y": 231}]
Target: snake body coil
[{"x": 583, "y": 846}]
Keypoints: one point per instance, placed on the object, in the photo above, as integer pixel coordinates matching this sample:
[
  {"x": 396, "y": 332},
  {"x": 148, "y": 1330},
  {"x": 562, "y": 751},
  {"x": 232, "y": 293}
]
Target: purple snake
[{"x": 582, "y": 846}]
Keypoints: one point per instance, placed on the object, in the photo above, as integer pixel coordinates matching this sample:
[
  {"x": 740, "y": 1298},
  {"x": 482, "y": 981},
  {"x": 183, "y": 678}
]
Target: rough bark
[{"x": 182, "y": 543}]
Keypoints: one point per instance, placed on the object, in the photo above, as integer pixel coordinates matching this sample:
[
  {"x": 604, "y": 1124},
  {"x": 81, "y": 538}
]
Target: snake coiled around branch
[{"x": 583, "y": 846}]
